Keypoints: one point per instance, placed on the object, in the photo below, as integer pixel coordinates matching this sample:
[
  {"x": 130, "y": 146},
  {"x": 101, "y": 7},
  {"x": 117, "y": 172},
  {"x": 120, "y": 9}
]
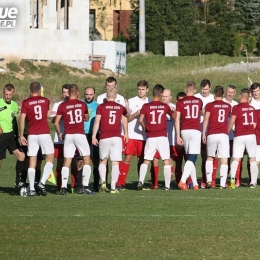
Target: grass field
[
  {"x": 204, "y": 224},
  {"x": 156, "y": 224}
]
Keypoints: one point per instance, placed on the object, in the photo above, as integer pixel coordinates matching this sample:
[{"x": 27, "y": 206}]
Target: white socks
[
  {"x": 102, "y": 168},
  {"x": 223, "y": 174},
  {"x": 209, "y": 170},
  {"x": 31, "y": 175},
  {"x": 142, "y": 173},
  {"x": 167, "y": 175},
  {"x": 114, "y": 176},
  {"x": 46, "y": 172},
  {"x": 86, "y": 175},
  {"x": 64, "y": 176}
]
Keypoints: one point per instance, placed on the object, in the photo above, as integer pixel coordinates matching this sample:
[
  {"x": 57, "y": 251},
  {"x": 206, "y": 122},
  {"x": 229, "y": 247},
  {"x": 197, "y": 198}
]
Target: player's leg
[
  {"x": 149, "y": 152},
  {"x": 238, "y": 153},
  {"x": 123, "y": 169},
  {"x": 154, "y": 170},
  {"x": 115, "y": 156},
  {"x": 212, "y": 145},
  {"x": 162, "y": 144},
  {"x": 58, "y": 154},
  {"x": 74, "y": 173},
  {"x": 223, "y": 154},
  {"x": 251, "y": 148}
]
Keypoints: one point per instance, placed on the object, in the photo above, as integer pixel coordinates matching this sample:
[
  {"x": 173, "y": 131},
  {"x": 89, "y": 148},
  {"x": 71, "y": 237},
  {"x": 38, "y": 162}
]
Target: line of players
[{"x": 186, "y": 114}]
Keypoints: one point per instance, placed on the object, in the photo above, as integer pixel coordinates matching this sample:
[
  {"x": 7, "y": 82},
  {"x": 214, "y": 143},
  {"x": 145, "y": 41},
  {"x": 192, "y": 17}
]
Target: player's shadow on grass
[
  {"x": 14, "y": 191},
  {"x": 9, "y": 190}
]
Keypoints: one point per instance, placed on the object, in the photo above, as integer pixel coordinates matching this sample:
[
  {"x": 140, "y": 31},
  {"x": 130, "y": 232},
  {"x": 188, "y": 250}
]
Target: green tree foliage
[
  {"x": 247, "y": 17},
  {"x": 197, "y": 28}
]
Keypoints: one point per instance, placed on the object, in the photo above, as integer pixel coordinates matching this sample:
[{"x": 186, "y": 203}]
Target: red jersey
[
  {"x": 36, "y": 109},
  {"x": 257, "y": 129},
  {"x": 73, "y": 113},
  {"x": 189, "y": 108},
  {"x": 218, "y": 120},
  {"x": 110, "y": 123},
  {"x": 155, "y": 114},
  {"x": 245, "y": 119}
]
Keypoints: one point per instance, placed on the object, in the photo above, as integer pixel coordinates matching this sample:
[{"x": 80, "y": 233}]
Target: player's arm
[
  {"x": 125, "y": 128},
  {"x": 178, "y": 128},
  {"x": 57, "y": 126},
  {"x": 86, "y": 117},
  {"x": 22, "y": 124},
  {"x": 205, "y": 126},
  {"x": 141, "y": 121},
  {"x": 231, "y": 122},
  {"x": 133, "y": 116},
  {"x": 95, "y": 129}
]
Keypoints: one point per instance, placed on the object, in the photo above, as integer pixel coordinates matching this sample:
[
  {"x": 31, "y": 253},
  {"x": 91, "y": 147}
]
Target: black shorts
[{"x": 7, "y": 141}]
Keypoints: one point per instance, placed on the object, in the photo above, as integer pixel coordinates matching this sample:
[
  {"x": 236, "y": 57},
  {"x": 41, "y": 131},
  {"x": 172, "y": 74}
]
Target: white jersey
[
  {"x": 233, "y": 103},
  {"x": 119, "y": 99},
  {"x": 57, "y": 140},
  {"x": 205, "y": 100},
  {"x": 255, "y": 104},
  {"x": 135, "y": 130},
  {"x": 171, "y": 127}
]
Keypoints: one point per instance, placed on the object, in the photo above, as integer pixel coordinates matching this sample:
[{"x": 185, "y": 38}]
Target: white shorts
[
  {"x": 192, "y": 140},
  {"x": 73, "y": 141},
  {"x": 111, "y": 147},
  {"x": 243, "y": 142},
  {"x": 36, "y": 141},
  {"x": 218, "y": 143},
  {"x": 258, "y": 153},
  {"x": 160, "y": 144}
]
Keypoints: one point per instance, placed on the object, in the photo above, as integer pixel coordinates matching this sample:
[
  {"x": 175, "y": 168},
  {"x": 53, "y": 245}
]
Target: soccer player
[
  {"x": 215, "y": 135},
  {"x": 229, "y": 95},
  {"x": 166, "y": 99},
  {"x": 88, "y": 128},
  {"x": 108, "y": 118},
  {"x": 187, "y": 126},
  {"x": 244, "y": 118},
  {"x": 59, "y": 144},
  {"x": 73, "y": 112},
  {"x": 8, "y": 113},
  {"x": 111, "y": 83},
  {"x": 255, "y": 101},
  {"x": 35, "y": 111},
  {"x": 206, "y": 97},
  {"x": 154, "y": 114},
  {"x": 180, "y": 152},
  {"x": 137, "y": 137}
]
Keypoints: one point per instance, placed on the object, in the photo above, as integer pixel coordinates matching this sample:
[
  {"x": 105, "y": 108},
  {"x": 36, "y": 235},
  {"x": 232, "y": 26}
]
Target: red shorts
[
  {"x": 58, "y": 151},
  {"x": 135, "y": 147},
  {"x": 123, "y": 144},
  {"x": 173, "y": 152}
]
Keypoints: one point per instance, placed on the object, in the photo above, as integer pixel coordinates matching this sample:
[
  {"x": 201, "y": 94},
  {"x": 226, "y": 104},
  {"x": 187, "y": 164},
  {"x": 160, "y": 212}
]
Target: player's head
[
  {"x": 205, "y": 87},
  {"x": 35, "y": 88},
  {"x": 142, "y": 88},
  {"x": 245, "y": 94},
  {"x": 8, "y": 92},
  {"x": 219, "y": 91},
  {"x": 158, "y": 90},
  {"x": 190, "y": 88},
  {"x": 111, "y": 94},
  {"x": 89, "y": 94},
  {"x": 180, "y": 95},
  {"x": 111, "y": 83},
  {"x": 230, "y": 92},
  {"x": 255, "y": 89},
  {"x": 65, "y": 91},
  {"x": 166, "y": 96},
  {"x": 73, "y": 90}
]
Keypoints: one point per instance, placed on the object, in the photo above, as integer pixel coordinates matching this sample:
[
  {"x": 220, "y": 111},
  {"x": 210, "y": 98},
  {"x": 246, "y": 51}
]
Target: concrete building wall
[{"x": 47, "y": 43}]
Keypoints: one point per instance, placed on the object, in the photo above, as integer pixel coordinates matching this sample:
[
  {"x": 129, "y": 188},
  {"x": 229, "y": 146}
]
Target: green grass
[
  {"x": 158, "y": 224},
  {"x": 171, "y": 72}
]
